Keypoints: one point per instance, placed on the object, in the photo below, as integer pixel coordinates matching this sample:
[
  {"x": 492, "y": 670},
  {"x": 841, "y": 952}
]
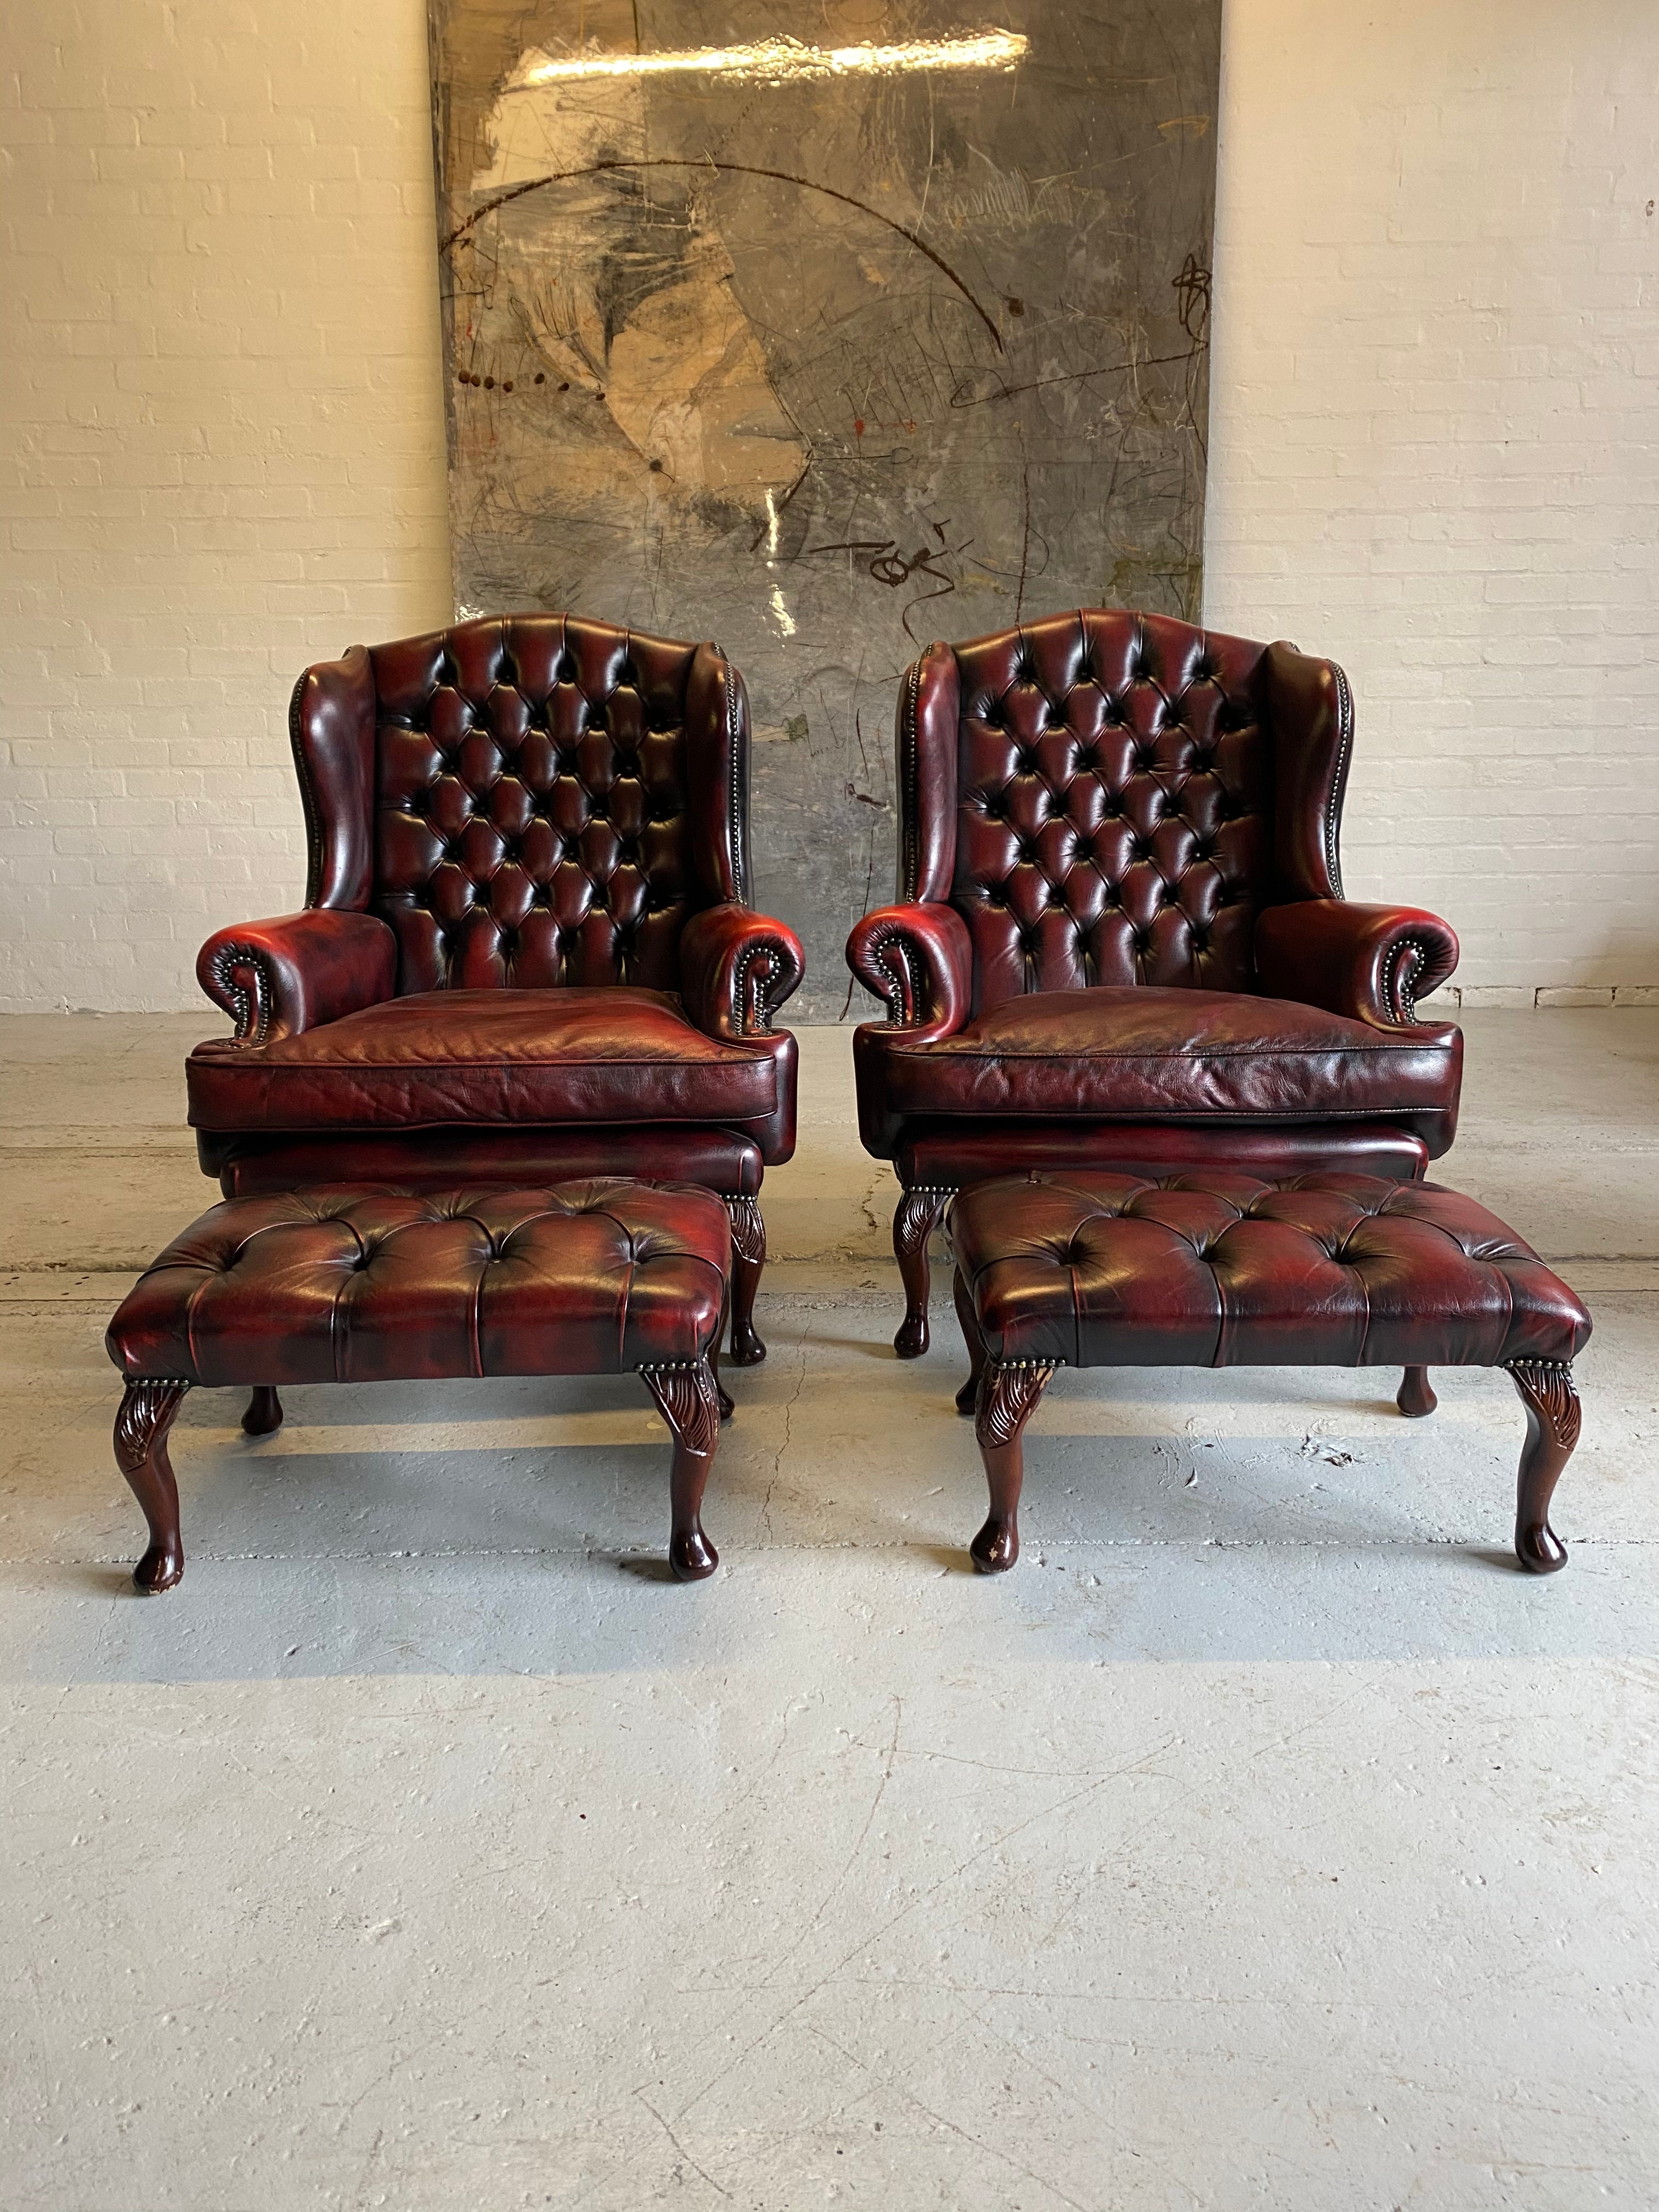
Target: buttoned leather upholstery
[
  {"x": 1119, "y": 896},
  {"x": 1113, "y": 807},
  {"x": 526, "y": 908},
  {"x": 353, "y": 1284},
  {"x": 1219, "y": 1269},
  {"x": 542, "y": 813}
]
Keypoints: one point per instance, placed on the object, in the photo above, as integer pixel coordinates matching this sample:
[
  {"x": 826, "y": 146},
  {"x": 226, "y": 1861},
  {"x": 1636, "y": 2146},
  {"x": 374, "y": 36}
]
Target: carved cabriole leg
[
  {"x": 140, "y": 1452},
  {"x": 688, "y": 1398},
  {"x": 967, "y": 1396},
  {"x": 748, "y": 1258},
  {"x": 1552, "y": 1414},
  {"x": 916, "y": 1218},
  {"x": 1415, "y": 1397},
  {"x": 1008, "y": 1399},
  {"x": 264, "y": 1412}
]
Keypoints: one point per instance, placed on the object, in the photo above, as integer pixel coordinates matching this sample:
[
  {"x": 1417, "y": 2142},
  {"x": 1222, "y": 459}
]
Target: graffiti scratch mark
[{"x": 727, "y": 168}]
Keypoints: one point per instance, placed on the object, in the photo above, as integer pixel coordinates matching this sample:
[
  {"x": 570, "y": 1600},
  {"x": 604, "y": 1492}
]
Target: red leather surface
[
  {"x": 717, "y": 775},
  {"x": 1309, "y": 713},
  {"x": 350, "y": 1284},
  {"x": 949, "y": 1155},
  {"x": 1115, "y": 805},
  {"x": 517, "y": 803},
  {"x": 736, "y": 968},
  {"x": 459, "y": 1057},
  {"x": 1224, "y": 1270},
  {"x": 279, "y": 977},
  {"x": 447, "y": 1159},
  {"x": 920, "y": 960},
  {"x": 1137, "y": 1052},
  {"x": 331, "y": 723},
  {"x": 553, "y": 801},
  {"x": 1110, "y": 800},
  {"x": 1371, "y": 961},
  {"x": 926, "y": 738}
]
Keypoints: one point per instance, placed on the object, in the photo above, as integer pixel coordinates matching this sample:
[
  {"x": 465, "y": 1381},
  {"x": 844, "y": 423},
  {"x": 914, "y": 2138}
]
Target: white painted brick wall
[
  {"x": 223, "y": 427},
  {"x": 1435, "y": 449}
]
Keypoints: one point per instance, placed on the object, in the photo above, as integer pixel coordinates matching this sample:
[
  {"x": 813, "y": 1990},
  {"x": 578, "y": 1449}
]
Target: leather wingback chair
[
  {"x": 526, "y": 951},
  {"x": 1121, "y": 939}
]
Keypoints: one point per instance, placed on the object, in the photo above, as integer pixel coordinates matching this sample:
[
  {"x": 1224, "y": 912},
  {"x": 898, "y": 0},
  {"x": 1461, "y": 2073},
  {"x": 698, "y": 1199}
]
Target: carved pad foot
[
  {"x": 1008, "y": 1398},
  {"x": 915, "y": 1219},
  {"x": 1552, "y": 1419},
  {"x": 748, "y": 1258},
  {"x": 146, "y": 1414},
  {"x": 688, "y": 1398}
]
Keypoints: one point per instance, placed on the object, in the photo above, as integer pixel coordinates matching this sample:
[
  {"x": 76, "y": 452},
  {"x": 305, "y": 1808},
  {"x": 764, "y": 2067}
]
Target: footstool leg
[
  {"x": 967, "y": 1396},
  {"x": 1415, "y": 1398},
  {"x": 914, "y": 1221},
  {"x": 264, "y": 1412},
  {"x": 686, "y": 1398},
  {"x": 140, "y": 1452},
  {"x": 1008, "y": 1399},
  {"x": 721, "y": 1397},
  {"x": 748, "y": 1258},
  {"x": 1552, "y": 1414}
]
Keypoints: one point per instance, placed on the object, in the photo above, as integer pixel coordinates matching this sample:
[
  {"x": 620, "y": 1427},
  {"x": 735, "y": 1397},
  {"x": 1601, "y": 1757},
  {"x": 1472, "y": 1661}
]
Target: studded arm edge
[
  {"x": 1372, "y": 964},
  {"x": 280, "y": 977}
]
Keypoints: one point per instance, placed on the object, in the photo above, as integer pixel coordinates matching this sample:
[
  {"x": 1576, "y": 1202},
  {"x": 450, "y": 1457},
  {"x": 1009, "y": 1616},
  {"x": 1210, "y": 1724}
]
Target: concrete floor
[{"x": 1265, "y": 1840}]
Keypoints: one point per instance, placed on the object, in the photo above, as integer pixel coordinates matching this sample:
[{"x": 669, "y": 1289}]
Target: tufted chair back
[
  {"x": 1112, "y": 798},
  {"x": 528, "y": 801}
]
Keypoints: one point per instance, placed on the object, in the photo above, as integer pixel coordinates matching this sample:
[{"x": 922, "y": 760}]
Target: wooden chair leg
[
  {"x": 263, "y": 1416},
  {"x": 915, "y": 1219},
  {"x": 1553, "y": 1416},
  {"x": 1008, "y": 1398},
  {"x": 726, "y": 1405},
  {"x": 1414, "y": 1394},
  {"x": 967, "y": 1396},
  {"x": 1415, "y": 1398},
  {"x": 687, "y": 1399},
  {"x": 748, "y": 1258},
  {"x": 146, "y": 1414}
]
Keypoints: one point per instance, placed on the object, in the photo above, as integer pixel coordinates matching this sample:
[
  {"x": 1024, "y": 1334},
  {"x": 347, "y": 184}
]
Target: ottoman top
[
  {"x": 1217, "y": 1269},
  {"x": 366, "y": 1282}
]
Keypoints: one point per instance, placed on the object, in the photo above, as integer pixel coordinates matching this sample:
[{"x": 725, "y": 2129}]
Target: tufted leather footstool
[
  {"x": 367, "y": 1283},
  {"x": 1228, "y": 1270}
]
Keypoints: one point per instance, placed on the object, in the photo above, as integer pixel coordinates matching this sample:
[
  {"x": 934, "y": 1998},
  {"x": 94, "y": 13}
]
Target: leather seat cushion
[
  {"x": 1219, "y": 1270},
  {"x": 460, "y": 1057},
  {"x": 1135, "y": 1052},
  {"x": 351, "y": 1283}
]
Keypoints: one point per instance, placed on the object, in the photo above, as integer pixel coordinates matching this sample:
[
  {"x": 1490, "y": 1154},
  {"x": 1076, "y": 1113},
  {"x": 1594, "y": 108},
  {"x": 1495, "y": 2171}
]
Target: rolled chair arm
[
  {"x": 919, "y": 959},
  {"x": 736, "y": 968},
  {"x": 278, "y": 978},
  {"x": 1370, "y": 962}
]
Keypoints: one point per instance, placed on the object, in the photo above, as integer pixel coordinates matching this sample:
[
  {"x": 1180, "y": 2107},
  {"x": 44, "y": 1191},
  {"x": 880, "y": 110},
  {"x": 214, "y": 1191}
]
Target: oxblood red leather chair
[
  {"x": 525, "y": 953},
  {"x": 1122, "y": 941}
]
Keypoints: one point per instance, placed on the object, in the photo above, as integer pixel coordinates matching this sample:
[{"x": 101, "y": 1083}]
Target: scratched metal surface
[{"x": 826, "y": 369}]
